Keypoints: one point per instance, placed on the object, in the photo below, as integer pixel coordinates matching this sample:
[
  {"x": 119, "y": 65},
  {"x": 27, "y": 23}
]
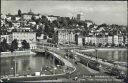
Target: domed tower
[{"x": 30, "y": 12}]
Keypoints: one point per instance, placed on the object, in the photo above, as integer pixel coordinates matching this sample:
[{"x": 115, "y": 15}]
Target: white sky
[{"x": 110, "y": 12}]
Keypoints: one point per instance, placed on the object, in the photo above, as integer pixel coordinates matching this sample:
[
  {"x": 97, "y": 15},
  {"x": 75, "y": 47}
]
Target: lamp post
[
  {"x": 88, "y": 62},
  {"x": 55, "y": 70},
  {"x": 14, "y": 67},
  {"x": 96, "y": 53},
  {"x": 11, "y": 70}
]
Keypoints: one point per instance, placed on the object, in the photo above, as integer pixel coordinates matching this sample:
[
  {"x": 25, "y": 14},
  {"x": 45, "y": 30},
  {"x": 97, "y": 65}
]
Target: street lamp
[
  {"x": 88, "y": 62},
  {"x": 58, "y": 65},
  {"x": 14, "y": 67},
  {"x": 11, "y": 70},
  {"x": 96, "y": 53},
  {"x": 55, "y": 70}
]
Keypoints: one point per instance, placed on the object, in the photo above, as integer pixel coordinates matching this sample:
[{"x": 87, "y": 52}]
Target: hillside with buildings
[{"x": 29, "y": 28}]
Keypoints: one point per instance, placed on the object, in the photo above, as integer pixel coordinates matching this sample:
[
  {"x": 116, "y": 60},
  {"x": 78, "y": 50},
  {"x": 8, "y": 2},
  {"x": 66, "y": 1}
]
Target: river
[{"x": 25, "y": 64}]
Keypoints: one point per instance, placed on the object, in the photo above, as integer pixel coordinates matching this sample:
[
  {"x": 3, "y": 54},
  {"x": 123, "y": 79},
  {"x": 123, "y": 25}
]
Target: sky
[{"x": 110, "y": 12}]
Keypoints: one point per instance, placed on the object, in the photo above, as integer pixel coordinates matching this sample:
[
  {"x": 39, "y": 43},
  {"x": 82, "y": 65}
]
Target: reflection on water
[
  {"x": 117, "y": 55},
  {"x": 24, "y": 64}
]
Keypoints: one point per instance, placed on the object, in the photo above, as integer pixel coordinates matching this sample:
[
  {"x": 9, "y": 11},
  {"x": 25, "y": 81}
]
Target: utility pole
[{"x": 96, "y": 53}]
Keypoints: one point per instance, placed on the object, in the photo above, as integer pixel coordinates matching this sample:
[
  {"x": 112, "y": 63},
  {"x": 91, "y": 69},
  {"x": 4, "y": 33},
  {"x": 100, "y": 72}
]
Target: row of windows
[{"x": 26, "y": 37}]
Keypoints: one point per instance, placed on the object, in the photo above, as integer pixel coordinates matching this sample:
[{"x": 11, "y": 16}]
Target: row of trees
[{"x": 4, "y": 46}]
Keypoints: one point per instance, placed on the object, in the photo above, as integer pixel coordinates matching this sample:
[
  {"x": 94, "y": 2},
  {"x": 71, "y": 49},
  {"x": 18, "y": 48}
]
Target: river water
[
  {"x": 119, "y": 55},
  {"x": 30, "y": 64},
  {"x": 24, "y": 64},
  {"x": 116, "y": 55}
]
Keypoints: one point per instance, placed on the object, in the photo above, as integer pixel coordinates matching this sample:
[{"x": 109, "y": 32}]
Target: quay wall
[
  {"x": 17, "y": 53},
  {"x": 103, "y": 49}
]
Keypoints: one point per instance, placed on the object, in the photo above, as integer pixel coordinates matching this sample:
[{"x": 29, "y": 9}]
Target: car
[
  {"x": 121, "y": 75},
  {"x": 126, "y": 79},
  {"x": 76, "y": 78}
]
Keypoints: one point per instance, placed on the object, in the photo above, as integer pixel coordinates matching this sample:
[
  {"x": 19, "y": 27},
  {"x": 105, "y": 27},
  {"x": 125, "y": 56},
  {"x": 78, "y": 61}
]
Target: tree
[
  {"x": 100, "y": 44},
  {"x": 39, "y": 32},
  {"x": 1, "y": 50},
  {"x": 112, "y": 45},
  {"x": 106, "y": 45},
  {"x": 25, "y": 44},
  {"x": 14, "y": 45},
  {"x": 19, "y": 13},
  {"x": 10, "y": 24},
  {"x": 4, "y": 46}
]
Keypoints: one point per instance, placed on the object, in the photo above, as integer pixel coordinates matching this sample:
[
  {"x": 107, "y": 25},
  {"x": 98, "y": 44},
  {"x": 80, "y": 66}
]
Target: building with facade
[
  {"x": 5, "y": 37},
  {"x": 99, "y": 40},
  {"x": 120, "y": 40},
  {"x": 65, "y": 36},
  {"x": 16, "y": 24},
  {"x": 90, "y": 40},
  {"x": 17, "y": 18},
  {"x": 125, "y": 39},
  {"x": 9, "y": 17},
  {"x": 104, "y": 40},
  {"x": 80, "y": 41},
  {"x": 78, "y": 17},
  {"x": 27, "y": 16},
  {"x": 110, "y": 40},
  {"x": 52, "y": 18},
  {"x": 87, "y": 40},
  {"x": 115, "y": 39},
  {"x": 30, "y": 37}
]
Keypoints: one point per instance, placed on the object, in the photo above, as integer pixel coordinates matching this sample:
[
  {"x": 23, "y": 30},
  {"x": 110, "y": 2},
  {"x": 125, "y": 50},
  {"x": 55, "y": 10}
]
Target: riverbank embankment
[{"x": 17, "y": 53}]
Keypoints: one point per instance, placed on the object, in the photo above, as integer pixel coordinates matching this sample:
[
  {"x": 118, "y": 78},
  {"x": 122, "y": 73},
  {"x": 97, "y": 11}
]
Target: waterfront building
[
  {"x": 90, "y": 39},
  {"x": 115, "y": 39},
  {"x": 30, "y": 37},
  {"x": 93, "y": 40},
  {"x": 110, "y": 40},
  {"x": 126, "y": 39},
  {"x": 66, "y": 36},
  {"x": 80, "y": 40},
  {"x": 86, "y": 40},
  {"x": 98, "y": 40},
  {"x": 121, "y": 40},
  {"x": 104, "y": 40}
]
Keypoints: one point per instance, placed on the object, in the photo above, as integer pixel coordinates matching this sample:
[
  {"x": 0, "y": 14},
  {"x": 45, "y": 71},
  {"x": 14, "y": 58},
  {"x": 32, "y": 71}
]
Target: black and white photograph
[{"x": 63, "y": 41}]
